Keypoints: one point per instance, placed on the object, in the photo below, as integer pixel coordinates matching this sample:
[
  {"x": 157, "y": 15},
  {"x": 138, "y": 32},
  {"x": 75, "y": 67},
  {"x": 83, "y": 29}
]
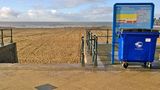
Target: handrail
[
  {"x": 92, "y": 43},
  {"x": 88, "y": 32},
  {"x": 82, "y": 52},
  {"x": 2, "y": 36},
  {"x": 94, "y": 51}
]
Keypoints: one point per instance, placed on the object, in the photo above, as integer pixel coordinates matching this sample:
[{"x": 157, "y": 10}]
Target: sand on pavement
[{"x": 78, "y": 80}]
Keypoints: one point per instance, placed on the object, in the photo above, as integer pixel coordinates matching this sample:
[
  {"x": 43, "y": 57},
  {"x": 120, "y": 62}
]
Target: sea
[{"x": 54, "y": 24}]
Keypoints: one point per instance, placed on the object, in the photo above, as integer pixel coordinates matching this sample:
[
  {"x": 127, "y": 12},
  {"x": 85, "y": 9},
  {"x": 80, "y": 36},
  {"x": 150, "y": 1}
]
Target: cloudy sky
[{"x": 62, "y": 10}]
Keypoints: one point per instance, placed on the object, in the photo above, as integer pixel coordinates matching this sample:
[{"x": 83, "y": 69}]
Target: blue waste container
[{"x": 137, "y": 45}]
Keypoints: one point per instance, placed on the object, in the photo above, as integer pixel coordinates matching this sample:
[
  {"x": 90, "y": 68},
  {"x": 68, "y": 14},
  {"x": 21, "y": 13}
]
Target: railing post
[
  {"x": 11, "y": 41},
  {"x": 91, "y": 38},
  {"x": 2, "y": 42},
  {"x": 89, "y": 41},
  {"x": 95, "y": 50},
  {"x": 87, "y": 37},
  {"x": 82, "y": 52},
  {"x": 107, "y": 35}
]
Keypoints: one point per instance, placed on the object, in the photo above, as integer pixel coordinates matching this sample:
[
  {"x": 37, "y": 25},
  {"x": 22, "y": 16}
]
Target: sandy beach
[
  {"x": 48, "y": 46},
  {"x": 52, "y": 45}
]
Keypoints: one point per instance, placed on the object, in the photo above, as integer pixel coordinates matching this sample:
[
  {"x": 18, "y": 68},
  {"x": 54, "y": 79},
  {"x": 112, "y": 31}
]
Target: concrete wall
[{"x": 8, "y": 53}]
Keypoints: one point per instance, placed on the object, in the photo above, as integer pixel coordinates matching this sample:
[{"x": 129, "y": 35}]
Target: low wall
[{"x": 8, "y": 53}]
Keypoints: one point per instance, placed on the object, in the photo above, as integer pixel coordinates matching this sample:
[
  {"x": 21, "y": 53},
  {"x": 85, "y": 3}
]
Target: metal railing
[
  {"x": 3, "y": 36},
  {"x": 94, "y": 50},
  {"x": 92, "y": 43},
  {"x": 107, "y": 36},
  {"x": 82, "y": 52}
]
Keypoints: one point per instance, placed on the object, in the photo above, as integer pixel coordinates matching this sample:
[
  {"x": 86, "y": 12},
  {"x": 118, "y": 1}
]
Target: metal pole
[
  {"x": 11, "y": 37},
  {"x": 107, "y": 35},
  {"x": 86, "y": 36},
  {"x": 113, "y": 35},
  {"x": 95, "y": 50},
  {"x": 93, "y": 55},
  {"x": 96, "y": 47},
  {"x": 82, "y": 52},
  {"x": 2, "y": 42},
  {"x": 91, "y": 43}
]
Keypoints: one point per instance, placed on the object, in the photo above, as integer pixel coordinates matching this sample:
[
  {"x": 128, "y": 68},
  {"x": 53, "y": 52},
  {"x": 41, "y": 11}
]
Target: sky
[{"x": 63, "y": 10}]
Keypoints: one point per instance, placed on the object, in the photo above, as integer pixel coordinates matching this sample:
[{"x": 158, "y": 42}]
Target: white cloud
[
  {"x": 40, "y": 12},
  {"x": 53, "y": 11},
  {"x": 91, "y": 14},
  {"x": 31, "y": 13},
  {"x": 35, "y": 13},
  {"x": 6, "y": 12},
  {"x": 98, "y": 10},
  {"x": 99, "y": 14},
  {"x": 74, "y": 3},
  {"x": 40, "y": 15}
]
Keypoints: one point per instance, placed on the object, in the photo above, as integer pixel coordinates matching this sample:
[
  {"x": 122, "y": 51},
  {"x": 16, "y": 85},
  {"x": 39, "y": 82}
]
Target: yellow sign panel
[{"x": 127, "y": 18}]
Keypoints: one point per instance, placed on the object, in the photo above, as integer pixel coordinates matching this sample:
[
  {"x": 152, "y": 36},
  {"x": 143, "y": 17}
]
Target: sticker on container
[
  {"x": 148, "y": 39},
  {"x": 139, "y": 44}
]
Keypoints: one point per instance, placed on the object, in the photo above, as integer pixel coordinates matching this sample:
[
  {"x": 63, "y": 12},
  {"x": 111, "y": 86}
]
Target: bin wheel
[
  {"x": 125, "y": 65},
  {"x": 145, "y": 64},
  {"x": 149, "y": 65}
]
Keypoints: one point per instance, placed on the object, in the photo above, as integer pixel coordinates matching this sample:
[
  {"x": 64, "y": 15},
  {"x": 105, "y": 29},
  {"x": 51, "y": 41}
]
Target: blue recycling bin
[{"x": 136, "y": 45}]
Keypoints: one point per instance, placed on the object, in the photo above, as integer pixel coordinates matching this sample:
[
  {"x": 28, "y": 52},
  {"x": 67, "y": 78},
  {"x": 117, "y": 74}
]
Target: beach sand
[
  {"x": 48, "y": 46},
  {"x": 52, "y": 45}
]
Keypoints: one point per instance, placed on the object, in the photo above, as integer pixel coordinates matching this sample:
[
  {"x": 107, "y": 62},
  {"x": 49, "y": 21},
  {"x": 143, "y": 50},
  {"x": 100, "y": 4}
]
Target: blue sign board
[{"x": 131, "y": 15}]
